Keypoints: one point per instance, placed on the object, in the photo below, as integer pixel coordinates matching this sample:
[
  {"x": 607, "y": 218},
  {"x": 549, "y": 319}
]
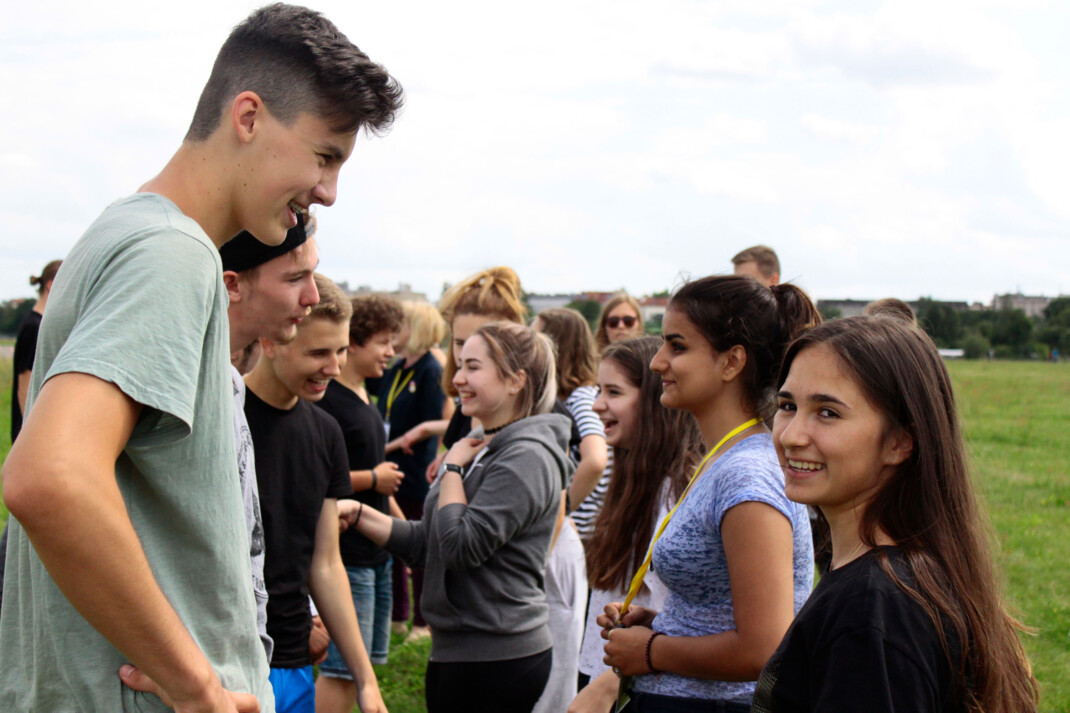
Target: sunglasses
[{"x": 614, "y": 322}]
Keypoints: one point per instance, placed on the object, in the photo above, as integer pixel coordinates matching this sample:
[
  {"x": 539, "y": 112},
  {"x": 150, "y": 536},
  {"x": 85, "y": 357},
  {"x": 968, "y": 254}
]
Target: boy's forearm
[
  {"x": 91, "y": 550},
  {"x": 70, "y": 507}
]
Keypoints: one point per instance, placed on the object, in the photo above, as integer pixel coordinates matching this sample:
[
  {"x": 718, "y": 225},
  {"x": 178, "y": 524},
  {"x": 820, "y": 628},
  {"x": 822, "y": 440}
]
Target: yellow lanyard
[
  {"x": 396, "y": 390},
  {"x": 637, "y": 580}
]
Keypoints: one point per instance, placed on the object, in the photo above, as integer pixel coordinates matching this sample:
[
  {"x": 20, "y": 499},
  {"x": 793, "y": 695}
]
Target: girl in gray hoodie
[{"x": 487, "y": 528}]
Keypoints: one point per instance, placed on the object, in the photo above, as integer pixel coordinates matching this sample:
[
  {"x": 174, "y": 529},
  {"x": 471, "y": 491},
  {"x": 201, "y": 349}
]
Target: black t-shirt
[
  {"x": 25, "y": 348},
  {"x": 365, "y": 444},
  {"x": 860, "y": 643},
  {"x": 419, "y": 398},
  {"x": 300, "y": 461}
]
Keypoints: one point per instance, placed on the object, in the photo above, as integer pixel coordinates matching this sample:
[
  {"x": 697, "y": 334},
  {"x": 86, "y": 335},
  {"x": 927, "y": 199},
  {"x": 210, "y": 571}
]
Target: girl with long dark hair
[
  {"x": 654, "y": 451},
  {"x": 735, "y": 553},
  {"x": 910, "y": 616}
]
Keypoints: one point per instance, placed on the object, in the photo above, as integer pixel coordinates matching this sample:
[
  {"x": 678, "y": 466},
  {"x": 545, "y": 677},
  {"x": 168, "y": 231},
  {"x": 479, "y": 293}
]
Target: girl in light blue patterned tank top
[{"x": 736, "y": 556}]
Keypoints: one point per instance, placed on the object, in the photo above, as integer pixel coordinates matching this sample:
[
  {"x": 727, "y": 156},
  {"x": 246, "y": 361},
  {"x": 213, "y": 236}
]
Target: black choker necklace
[{"x": 492, "y": 431}]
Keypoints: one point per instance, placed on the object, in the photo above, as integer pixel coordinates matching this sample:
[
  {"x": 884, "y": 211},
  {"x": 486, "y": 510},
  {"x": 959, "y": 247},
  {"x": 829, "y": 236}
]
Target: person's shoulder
[
  {"x": 752, "y": 460},
  {"x": 149, "y": 217}
]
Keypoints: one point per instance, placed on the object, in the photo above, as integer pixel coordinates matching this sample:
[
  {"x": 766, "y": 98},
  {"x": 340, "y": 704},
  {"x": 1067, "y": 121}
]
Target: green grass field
[{"x": 1017, "y": 421}]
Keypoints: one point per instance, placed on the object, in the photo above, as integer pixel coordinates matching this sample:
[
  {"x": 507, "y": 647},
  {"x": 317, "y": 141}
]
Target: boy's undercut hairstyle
[
  {"x": 333, "y": 305},
  {"x": 297, "y": 61},
  {"x": 765, "y": 256},
  {"x": 373, "y": 314}
]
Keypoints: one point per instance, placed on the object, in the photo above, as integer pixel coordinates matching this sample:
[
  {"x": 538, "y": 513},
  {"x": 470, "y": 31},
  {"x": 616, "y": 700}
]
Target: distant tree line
[
  {"x": 11, "y": 314},
  {"x": 1008, "y": 333}
]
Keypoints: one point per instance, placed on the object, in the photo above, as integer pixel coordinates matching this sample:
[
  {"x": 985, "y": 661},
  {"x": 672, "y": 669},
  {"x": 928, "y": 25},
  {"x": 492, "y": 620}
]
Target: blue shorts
[
  {"x": 372, "y": 598},
  {"x": 295, "y": 692}
]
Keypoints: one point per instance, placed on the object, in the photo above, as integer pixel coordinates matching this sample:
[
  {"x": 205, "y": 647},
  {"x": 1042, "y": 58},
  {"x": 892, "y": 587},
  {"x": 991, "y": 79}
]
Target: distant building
[
  {"x": 599, "y": 297},
  {"x": 652, "y": 307},
  {"x": 403, "y": 292},
  {"x": 1032, "y": 306},
  {"x": 846, "y": 308},
  {"x": 542, "y": 302},
  {"x": 853, "y": 308}
]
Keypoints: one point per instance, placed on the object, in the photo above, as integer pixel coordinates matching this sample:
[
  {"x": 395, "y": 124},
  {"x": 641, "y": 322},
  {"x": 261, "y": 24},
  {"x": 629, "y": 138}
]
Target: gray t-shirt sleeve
[{"x": 142, "y": 323}]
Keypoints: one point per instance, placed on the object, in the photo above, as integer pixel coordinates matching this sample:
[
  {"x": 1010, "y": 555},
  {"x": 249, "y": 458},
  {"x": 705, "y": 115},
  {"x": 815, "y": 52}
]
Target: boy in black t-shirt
[
  {"x": 301, "y": 470},
  {"x": 373, "y": 328}
]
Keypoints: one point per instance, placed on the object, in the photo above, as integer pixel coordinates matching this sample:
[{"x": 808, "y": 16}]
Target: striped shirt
[{"x": 579, "y": 403}]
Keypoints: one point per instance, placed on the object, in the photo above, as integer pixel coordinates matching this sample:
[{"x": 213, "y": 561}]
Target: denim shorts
[{"x": 371, "y": 588}]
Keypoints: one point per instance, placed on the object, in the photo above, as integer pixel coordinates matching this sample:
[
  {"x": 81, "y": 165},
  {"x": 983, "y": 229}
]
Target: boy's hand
[
  {"x": 389, "y": 477},
  {"x": 218, "y": 700},
  {"x": 317, "y": 641},
  {"x": 348, "y": 510},
  {"x": 370, "y": 699}
]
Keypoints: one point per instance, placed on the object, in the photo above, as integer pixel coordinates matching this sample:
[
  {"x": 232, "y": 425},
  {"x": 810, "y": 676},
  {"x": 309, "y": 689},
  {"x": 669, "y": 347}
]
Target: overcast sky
[{"x": 882, "y": 148}]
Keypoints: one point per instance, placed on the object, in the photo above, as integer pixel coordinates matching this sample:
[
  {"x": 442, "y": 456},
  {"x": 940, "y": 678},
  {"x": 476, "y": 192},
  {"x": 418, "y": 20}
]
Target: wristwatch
[{"x": 454, "y": 468}]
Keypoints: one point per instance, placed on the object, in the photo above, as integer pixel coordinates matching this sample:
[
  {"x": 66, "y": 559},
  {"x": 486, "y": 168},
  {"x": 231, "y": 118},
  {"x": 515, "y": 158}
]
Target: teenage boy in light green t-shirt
[{"x": 127, "y": 541}]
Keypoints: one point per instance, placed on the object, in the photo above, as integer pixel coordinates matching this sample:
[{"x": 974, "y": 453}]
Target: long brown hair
[
  {"x": 601, "y": 339},
  {"x": 494, "y": 293},
  {"x": 667, "y": 444},
  {"x": 577, "y": 363},
  {"x": 929, "y": 506}
]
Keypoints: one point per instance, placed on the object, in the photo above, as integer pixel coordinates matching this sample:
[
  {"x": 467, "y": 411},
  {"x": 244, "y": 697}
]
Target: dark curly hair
[
  {"x": 297, "y": 61},
  {"x": 373, "y": 314}
]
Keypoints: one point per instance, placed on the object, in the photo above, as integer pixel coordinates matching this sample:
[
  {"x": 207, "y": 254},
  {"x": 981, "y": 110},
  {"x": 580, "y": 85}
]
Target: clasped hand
[{"x": 626, "y": 638}]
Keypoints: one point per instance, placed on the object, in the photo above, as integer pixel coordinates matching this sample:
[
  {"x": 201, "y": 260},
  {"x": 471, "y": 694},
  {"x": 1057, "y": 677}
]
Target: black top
[
  {"x": 25, "y": 348},
  {"x": 300, "y": 461},
  {"x": 420, "y": 399},
  {"x": 860, "y": 643},
  {"x": 365, "y": 443}
]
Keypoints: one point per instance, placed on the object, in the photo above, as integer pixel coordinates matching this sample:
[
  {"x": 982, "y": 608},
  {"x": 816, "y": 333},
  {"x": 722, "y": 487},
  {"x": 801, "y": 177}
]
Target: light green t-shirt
[{"x": 140, "y": 302}]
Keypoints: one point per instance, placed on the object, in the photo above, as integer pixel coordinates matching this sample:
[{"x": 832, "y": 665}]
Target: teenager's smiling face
[
  {"x": 281, "y": 293},
  {"x": 836, "y": 449},
  {"x": 686, "y": 364},
  {"x": 290, "y": 168},
  {"x": 617, "y": 404},
  {"x": 307, "y": 364},
  {"x": 484, "y": 393},
  {"x": 371, "y": 359}
]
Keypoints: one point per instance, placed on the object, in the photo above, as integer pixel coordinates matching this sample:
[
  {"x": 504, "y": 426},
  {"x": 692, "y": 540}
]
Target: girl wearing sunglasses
[{"x": 621, "y": 319}]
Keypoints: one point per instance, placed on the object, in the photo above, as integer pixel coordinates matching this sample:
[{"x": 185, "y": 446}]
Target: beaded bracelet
[{"x": 650, "y": 641}]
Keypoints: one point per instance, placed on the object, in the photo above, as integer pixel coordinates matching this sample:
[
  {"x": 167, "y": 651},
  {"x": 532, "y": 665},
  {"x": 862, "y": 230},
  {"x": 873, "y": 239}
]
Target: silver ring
[{"x": 616, "y": 670}]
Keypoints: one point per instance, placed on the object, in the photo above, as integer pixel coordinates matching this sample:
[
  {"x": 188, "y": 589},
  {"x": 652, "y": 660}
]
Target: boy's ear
[
  {"x": 268, "y": 348},
  {"x": 246, "y": 112},
  {"x": 230, "y": 281}
]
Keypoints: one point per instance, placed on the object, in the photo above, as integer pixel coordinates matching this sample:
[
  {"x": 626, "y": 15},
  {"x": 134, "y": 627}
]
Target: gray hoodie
[{"x": 484, "y": 595}]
